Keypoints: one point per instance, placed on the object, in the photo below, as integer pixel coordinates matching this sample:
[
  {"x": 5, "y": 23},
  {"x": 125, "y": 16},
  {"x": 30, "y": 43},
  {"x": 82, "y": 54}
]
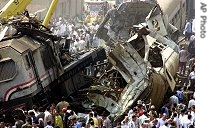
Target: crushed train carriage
[{"x": 142, "y": 63}]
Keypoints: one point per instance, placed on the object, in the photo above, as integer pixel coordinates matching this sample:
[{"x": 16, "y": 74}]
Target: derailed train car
[
  {"x": 35, "y": 66},
  {"x": 141, "y": 68}
]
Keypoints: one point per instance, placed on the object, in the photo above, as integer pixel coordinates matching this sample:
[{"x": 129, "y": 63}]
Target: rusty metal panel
[
  {"x": 30, "y": 43},
  {"x": 21, "y": 45}
]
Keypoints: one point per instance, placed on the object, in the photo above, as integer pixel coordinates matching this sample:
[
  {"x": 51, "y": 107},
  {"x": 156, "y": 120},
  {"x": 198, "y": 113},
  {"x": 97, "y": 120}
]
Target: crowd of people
[
  {"x": 178, "y": 112},
  {"x": 80, "y": 35}
]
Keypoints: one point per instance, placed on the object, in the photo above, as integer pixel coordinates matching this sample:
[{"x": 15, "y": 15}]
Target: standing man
[
  {"x": 183, "y": 57},
  {"x": 105, "y": 120},
  {"x": 191, "y": 46},
  {"x": 188, "y": 30}
]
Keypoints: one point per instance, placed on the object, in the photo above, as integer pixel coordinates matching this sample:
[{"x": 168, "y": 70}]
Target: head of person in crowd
[
  {"x": 41, "y": 110},
  {"x": 193, "y": 57},
  {"x": 175, "y": 115},
  {"x": 2, "y": 125},
  {"x": 47, "y": 108},
  {"x": 73, "y": 119},
  {"x": 35, "y": 108},
  {"x": 16, "y": 118},
  {"x": 140, "y": 109},
  {"x": 64, "y": 110},
  {"x": 164, "y": 116},
  {"x": 182, "y": 112},
  {"x": 26, "y": 113},
  {"x": 182, "y": 47},
  {"x": 152, "y": 116},
  {"x": 172, "y": 124},
  {"x": 139, "y": 102},
  {"x": 90, "y": 114},
  {"x": 193, "y": 108},
  {"x": 133, "y": 117},
  {"x": 104, "y": 115},
  {"x": 56, "y": 113},
  {"x": 35, "y": 124},
  {"x": 152, "y": 108},
  {"x": 125, "y": 120},
  {"x": 29, "y": 120},
  {"x": 192, "y": 97},
  {"x": 31, "y": 113},
  {"x": 41, "y": 122},
  {"x": 155, "y": 122},
  {"x": 173, "y": 109},
  {"x": 189, "y": 116},
  {"x": 135, "y": 111},
  {"x": 90, "y": 122},
  {"x": 118, "y": 125},
  {"x": 95, "y": 114},
  {"x": 48, "y": 122},
  {"x": 191, "y": 126},
  {"x": 83, "y": 125},
  {"x": 68, "y": 107}
]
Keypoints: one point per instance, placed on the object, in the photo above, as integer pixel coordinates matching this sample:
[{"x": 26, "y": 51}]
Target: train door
[{"x": 30, "y": 64}]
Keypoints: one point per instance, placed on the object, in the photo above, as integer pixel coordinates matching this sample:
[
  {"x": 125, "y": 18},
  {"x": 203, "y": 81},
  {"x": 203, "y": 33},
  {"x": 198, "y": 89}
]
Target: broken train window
[
  {"x": 155, "y": 57},
  {"x": 26, "y": 61},
  {"x": 8, "y": 69}
]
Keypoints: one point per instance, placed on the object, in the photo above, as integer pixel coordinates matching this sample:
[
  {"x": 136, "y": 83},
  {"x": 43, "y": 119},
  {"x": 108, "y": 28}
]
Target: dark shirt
[{"x": 41, "y": 115}]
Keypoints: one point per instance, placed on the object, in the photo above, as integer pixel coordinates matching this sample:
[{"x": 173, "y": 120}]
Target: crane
[
  {"x": 13, "y": 8},
  {"x": 16, "y": 7}
]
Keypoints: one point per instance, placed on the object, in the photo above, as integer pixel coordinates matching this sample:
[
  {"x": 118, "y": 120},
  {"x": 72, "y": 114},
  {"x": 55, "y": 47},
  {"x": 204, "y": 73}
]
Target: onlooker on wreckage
[
  {"x": 191, "y": 46},
  {"x": 191, "y": 63},
  {"x": 188, "y": 30},
  {"x": 191, "y": 78},
  {"x": 183, "y": 58}
]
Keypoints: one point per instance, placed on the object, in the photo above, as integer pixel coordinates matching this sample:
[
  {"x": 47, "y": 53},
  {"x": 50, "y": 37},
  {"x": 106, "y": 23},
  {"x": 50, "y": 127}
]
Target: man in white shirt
[
  {"x": 106, "y": 121},
  {"x": 191, "y": 102},
  {"x": 188, "y": 121},
  {"x": 47, "y": 117},
  {"x": 182, "y": 118},
  {"x": 124, "y": 123},
  {"x": 62, "y": 28},
  {"x": 81, "y": 44},
  {"x": 142, "y": 119},
  {"x": 162, "y": 120},
  {"x": 134, "y": 122},
  {"x": 193, "y": 26},
  {"x": 191, "y": 78}
]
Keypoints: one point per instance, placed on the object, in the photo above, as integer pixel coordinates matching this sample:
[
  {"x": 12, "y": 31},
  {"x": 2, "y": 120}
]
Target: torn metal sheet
[
  {"x": 122, "y": 19},
  {"x": 144, "y": 78}
]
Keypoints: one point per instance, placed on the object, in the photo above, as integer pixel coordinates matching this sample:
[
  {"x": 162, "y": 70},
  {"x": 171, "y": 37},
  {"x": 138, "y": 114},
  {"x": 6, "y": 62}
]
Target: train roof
[{"x": 21, "y": 44}]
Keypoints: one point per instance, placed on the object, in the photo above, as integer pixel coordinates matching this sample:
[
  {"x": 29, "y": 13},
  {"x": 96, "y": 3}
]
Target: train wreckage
[
  {"x": 141, "y": 65},
  {"x": 141, "y": 68}
]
